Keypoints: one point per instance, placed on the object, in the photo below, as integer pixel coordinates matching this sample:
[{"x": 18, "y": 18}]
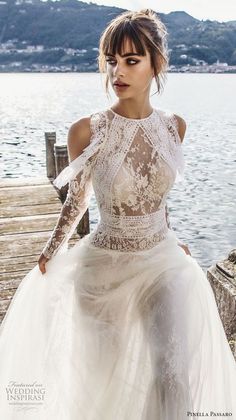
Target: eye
[
  {"x": 110, "y": 61},
  {"x": 134, "y": 61}
]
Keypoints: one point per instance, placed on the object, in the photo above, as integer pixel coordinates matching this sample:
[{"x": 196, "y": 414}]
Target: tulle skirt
[{"x": 111, "y": 335}]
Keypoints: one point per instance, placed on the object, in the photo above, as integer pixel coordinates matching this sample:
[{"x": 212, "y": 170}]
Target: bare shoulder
[
  {"x": 181, "y": 126},
  {"x": 78, "y": 137}
]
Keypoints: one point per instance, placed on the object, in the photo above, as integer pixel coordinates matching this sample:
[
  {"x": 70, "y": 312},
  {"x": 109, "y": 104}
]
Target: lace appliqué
[
  {"x": 172, "y": 127},
  {"x": 131, "y": 165},
  {"x": 166, "y": 335},
  {"x": 75, "y": 205},
  {"x": 132, "y": 178},
  {"x": 134, "y": 234},
  {"x": 78, "y": 174}
]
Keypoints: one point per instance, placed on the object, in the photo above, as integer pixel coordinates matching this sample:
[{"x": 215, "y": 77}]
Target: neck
[{"x": 131, "y": 108}]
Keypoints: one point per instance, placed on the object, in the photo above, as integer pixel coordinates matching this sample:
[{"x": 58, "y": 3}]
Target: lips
[{"x": 120, "y": 84}]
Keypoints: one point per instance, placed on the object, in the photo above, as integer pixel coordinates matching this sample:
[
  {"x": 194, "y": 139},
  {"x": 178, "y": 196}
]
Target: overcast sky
[{"x": 221, "y": 10}]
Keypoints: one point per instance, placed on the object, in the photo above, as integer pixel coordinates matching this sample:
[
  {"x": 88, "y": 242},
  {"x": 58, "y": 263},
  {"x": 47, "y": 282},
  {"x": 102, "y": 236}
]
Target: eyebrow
[{"x": 124, "y": 55}]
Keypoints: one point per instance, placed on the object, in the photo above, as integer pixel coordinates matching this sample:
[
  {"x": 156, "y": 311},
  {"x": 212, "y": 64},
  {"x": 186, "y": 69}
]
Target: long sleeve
[
  {"x": 78, "y": 175},
  {"x": 76, "y": 203},
  {"x": 178, "y": 150}
]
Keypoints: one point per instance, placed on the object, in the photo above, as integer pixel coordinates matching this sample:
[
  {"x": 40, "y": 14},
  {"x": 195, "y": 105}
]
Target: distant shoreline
[{"x": 188, "y": 70}]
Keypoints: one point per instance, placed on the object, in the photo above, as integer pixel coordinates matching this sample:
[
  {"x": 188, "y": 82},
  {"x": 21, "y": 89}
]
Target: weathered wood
[
  {"x": 15, "y": 261},
  {"x": 23, "y": 243},
  {"x": 61, "y": 157},
  {"x": 4, "y": 304},
  {"x": 61, "y": 161},
  {"x": 11, "y": 280},
  {"x": 50, "y": 140},
  {"x": 28, "y": 223},
  {"x": 28, "y": 200},
  {"x": 32, "y": 194},
  {"x": 35, "y": 209},
  {"x": 17, "y": 182}
]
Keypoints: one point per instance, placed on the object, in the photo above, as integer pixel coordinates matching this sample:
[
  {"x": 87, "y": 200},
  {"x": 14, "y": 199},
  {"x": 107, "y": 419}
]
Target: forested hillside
[{"x": 67, "y": 31}]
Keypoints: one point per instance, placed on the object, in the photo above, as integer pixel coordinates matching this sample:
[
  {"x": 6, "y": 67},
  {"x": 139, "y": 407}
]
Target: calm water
[{"x": 202, "y": 208}]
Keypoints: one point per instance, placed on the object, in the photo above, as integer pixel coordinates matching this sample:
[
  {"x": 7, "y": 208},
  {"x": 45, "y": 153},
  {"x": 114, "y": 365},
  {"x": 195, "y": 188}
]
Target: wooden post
[
  {"x": 61, "y": 161},
  {"x": 61, "y": 157},
  {"x": 50, "y": 140}
]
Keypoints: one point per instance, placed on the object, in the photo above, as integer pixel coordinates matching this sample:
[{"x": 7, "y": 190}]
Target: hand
[
  {"x": 41, "y": 262},
  {"x": 185, "y": 248}
]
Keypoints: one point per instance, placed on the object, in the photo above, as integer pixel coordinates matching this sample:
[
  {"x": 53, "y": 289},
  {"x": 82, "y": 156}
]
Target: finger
[{"x": 42, "y": 268}]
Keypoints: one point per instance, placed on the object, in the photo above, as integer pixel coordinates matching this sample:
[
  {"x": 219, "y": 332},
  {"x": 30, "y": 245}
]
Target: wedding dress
[{"x": 124, "y": 324}]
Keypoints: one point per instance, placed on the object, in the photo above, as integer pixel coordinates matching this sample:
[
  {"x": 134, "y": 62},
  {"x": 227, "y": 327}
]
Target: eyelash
[{"x": 129, "y": 59}]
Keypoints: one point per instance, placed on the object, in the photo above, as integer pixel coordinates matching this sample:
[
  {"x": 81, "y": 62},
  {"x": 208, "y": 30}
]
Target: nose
[{"x": 118, "y": 70}]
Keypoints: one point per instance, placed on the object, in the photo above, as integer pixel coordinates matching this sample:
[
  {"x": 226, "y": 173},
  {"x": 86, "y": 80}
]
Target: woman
[{"x": 123, "y": 325}]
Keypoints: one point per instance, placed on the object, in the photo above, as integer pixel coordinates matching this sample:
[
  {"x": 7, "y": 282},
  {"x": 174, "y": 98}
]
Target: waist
[{"x": 130, "y": 233}]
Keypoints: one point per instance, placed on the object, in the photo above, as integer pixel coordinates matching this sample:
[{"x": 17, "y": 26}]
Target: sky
[{"x": 219, "y": 10}]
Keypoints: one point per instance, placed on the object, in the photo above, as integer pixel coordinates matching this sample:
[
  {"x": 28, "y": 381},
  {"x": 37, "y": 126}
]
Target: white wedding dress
[{"x": 124, "y": 324}]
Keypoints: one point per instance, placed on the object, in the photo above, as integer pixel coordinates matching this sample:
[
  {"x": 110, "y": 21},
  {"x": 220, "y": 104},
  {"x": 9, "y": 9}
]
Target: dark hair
[{"x": 146, "y": 31}]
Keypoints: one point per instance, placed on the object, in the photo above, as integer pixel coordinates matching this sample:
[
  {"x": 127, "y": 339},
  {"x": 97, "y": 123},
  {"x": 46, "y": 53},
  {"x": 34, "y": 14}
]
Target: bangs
[
  {"x": 116, "y": 38},
  {"x": 144, "y": 34}
]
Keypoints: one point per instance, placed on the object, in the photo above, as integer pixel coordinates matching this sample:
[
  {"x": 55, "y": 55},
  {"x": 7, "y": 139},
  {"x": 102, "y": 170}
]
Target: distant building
[{"x": 218, "y": 64}]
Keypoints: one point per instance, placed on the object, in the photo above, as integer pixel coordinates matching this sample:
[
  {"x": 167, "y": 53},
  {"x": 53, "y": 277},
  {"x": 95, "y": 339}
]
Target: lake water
[{"x": 203, "y": 208}]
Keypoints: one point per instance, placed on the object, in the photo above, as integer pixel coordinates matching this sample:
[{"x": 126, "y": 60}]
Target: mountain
[{"x": 67, "y": 32}]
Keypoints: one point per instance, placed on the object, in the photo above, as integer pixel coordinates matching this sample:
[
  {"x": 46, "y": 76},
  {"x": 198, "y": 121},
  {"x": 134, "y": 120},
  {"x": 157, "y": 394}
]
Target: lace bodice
[{"x": 130, "y": 165}]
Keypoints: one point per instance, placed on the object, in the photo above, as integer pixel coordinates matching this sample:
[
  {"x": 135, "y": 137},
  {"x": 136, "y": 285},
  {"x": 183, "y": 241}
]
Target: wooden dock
[{"x": 29, "y": 209}]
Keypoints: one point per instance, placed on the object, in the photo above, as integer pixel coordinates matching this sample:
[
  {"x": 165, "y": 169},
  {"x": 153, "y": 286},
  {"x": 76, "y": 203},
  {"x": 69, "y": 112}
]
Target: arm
[
  {"x": 181, "y": 126},
  {"x": 79, "y": 191}
]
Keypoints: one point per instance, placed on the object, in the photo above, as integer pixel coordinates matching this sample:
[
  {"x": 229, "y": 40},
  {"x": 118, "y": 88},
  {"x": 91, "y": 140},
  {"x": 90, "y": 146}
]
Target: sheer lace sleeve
[
  {"x": 76, "y": 203},
  {"x": 179, "y": 156},
  {"x": 78, "y": 175}
]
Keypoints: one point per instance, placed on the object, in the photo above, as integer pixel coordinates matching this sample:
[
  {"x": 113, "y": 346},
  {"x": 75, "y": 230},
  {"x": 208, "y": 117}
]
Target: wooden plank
[
  {"x": 7, "y": 294},
  {"x": 4, "y": 303},
  {"x": 13, "y": 276},
  {"x": 10, "y": 225},
  {"x": 15, "y": 261},
  {"x": 15, "y": 182},
  {"x": 26, "y": 210},
  {"x": 32, "y": 194},
  {"x": 12, "y": 283},
  {"x": 10, "y": 268},
  {"x": 23, "y": 243}
]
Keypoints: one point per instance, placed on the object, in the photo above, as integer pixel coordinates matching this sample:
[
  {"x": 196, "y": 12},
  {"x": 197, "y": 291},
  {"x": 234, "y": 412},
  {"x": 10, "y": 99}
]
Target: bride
[{"x": 124, "y": 324}]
